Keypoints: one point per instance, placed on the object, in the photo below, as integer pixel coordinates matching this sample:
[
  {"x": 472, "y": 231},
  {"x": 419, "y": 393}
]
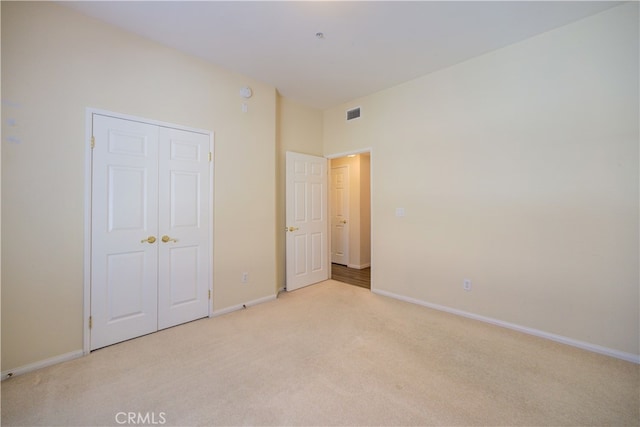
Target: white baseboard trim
[
  {"x": 629, "y": 357},
  {"x": 237, "y": 307},
  {"x": 79, "y": 353},
  {"x": 41, "y": 364},
  {"x": 359, "y": 267}
]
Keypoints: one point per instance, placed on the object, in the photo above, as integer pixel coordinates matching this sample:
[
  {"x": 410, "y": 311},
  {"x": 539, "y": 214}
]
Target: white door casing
[
  {"x": 306, "y": 220},
  {"x": 147, "y": 181},
  {"x": 340, "y": 214}
]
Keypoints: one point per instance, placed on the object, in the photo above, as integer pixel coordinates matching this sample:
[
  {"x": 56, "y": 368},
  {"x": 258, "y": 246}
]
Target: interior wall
[
  {"x": 517, "y": 170},
  {"x": 299, "y": 129},
  {"x": 55, "y": 64}
]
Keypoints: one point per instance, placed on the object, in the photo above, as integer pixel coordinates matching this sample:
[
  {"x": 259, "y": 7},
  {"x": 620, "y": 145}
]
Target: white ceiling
[{"x": 367, "y": 46}]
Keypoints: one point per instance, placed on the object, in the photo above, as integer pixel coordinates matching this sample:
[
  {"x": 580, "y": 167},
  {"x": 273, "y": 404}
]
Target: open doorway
[{"x": 350, "y": 218}]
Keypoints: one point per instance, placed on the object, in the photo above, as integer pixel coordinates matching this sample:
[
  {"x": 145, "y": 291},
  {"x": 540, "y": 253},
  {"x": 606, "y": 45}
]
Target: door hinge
[
  {"x": 93, "y": 141},
  {"x": 209, "y": 293},
  {"x": 210, "y": 156},
  {"x": 90, "y": 322}
]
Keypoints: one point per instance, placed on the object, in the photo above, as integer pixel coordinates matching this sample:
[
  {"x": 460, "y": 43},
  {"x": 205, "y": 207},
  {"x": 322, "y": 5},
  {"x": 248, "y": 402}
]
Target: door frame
[
  {"x": 88, "y": 169},
  {"x": 368, "y": 150}
]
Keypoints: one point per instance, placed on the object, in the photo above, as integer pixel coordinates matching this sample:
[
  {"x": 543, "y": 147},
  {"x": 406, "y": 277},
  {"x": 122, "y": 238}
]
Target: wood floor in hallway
[{"x": 352, "y": 276}]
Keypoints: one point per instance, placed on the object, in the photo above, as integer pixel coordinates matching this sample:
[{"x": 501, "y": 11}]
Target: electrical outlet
[
  {"x": 245, "y": 277},
  {"x": 466, "y": 285}
]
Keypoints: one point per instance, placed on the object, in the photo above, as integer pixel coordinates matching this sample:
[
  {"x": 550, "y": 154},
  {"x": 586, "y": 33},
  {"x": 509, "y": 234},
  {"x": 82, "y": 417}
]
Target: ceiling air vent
[{"x": 353, "y": 114}]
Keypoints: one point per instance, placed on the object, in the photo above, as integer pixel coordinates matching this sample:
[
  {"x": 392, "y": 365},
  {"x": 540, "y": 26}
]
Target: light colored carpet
[{"x": 332, "y": 354}]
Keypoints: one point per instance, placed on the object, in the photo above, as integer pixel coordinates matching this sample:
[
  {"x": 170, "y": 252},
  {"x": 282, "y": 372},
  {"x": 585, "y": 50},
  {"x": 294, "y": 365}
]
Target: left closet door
[{"x": 148, "y": 182}]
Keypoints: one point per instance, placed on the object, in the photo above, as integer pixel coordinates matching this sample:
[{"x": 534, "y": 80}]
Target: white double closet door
[{"x": 150, "y": 229}]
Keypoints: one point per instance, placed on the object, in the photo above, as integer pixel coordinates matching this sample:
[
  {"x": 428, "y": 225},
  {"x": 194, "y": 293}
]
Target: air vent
[{"x": 353, "y": 114}]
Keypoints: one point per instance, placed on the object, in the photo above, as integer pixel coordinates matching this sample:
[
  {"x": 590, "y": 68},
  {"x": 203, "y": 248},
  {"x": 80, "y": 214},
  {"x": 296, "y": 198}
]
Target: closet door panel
[
  {"x": 124, "y": 268},
  {"x": 184, "y": 224}
]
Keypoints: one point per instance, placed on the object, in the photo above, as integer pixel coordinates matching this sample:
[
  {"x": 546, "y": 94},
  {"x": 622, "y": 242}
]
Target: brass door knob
[
  {"x": 166, "y": 239},
  {"x": 293, "y": 228},
  {"x": 344, "y": 221},
  {"x": 149, "y": 239}
]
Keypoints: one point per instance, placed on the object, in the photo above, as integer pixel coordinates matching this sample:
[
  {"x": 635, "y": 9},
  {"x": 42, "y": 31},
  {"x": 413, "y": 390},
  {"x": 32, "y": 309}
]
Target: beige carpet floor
[{"x": 331, "y": 354}]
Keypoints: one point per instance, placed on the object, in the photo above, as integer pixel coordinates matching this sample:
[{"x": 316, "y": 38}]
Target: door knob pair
[{"x": 152, "y": 239}]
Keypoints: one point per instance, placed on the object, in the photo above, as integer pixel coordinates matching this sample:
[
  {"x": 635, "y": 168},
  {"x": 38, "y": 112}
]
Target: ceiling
[{"x": 366, "y": 46}]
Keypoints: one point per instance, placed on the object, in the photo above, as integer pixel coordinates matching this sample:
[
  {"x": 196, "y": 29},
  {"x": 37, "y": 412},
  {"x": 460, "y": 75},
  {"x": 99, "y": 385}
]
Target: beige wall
[
  {"x": 518, "y": 170},
  {"x": 299, "y": 129},
  {"x": 359, "y": 209},
  {"x": 55, "y": 64}
]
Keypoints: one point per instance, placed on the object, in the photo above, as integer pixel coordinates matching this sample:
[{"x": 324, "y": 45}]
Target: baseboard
[
  {"x": 237, "y": 307},
  {"x": 629, "y": 357},
  {"x": 41, "y": 364},
  {"x": 359, "y": 266},
  {"x": 79, "y": 353}
]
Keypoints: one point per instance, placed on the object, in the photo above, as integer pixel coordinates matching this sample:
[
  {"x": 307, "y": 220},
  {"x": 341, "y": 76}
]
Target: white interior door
[
  {"x": 340, "y": 215},
  {"x": 124, "y": 270},
  {"x": 306, "y": 216},
  {"x": 150, "y": 228},
  {"x": 184, "y": 221}
]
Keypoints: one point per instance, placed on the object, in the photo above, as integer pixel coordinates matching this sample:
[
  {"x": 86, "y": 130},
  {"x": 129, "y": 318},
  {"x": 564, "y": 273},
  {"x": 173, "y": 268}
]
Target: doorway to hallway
[{"x": 350, "y": 218}]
